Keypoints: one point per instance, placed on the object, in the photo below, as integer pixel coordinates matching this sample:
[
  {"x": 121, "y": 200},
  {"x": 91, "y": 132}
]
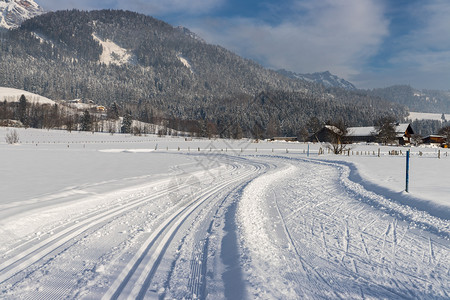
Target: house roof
[
  {"x": 370, "y": 130},
  {"x": 361, "y": 131},
  {"x": 401, "y": 128},
  {"x": 434, "y": 136}
]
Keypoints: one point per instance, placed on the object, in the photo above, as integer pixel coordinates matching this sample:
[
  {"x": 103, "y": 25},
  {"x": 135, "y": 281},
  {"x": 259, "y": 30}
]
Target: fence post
[{"x": 407, "y": 172}]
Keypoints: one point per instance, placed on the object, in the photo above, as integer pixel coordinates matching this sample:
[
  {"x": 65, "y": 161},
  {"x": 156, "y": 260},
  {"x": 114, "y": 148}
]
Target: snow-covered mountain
[
  {"x": 189, "y": 33},
  {"x": 14, "y": 12},
  {"x": 325, "y": 78}
]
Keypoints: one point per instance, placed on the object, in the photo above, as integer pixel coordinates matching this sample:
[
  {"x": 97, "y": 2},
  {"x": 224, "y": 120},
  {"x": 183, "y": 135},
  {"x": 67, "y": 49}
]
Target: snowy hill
[
  {"x": 13, "y": 95},
  {"x": 14, "y": 12},
  {"x": 325, "y": 78}
]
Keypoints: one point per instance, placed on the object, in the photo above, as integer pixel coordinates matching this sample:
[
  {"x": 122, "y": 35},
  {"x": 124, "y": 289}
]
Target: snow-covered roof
[
  {"x": 401, "y": 128},
  {"x": 370, "y": 130},
  {"x": 361, "y": 131}
]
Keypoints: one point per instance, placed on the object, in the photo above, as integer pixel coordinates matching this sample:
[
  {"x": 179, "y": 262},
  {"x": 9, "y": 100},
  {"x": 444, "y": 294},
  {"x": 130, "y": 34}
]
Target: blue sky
[{"x": 372, "y": 43}]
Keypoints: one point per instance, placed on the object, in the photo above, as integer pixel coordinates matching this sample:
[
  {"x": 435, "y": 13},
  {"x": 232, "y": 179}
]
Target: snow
[
  {"x": 185, "y": 62},
  {"x": 113, "y": 53},
  {"x": 13, "y": 95},
  {"x": 87, "y": 215},
  {"x": 13, "y": 13},
  {"x": 42, "y": 39},
  {"x": 427, "y": 116}
]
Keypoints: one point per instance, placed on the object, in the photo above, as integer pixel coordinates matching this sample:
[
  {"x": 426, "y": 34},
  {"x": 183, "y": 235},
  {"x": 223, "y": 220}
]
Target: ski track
[
  {"x": 33, "y": 260},
  {"x": 301, "y": 229},
  {"x": 347, "y": 245}
]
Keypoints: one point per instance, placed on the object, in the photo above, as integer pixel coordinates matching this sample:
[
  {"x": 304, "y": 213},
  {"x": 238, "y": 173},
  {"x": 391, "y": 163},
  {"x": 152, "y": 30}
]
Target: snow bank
[{"x": 428, "y": 183}]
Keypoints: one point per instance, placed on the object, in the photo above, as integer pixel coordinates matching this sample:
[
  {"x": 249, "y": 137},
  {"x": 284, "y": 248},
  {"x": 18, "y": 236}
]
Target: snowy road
[{"x": 235, "y": 227}]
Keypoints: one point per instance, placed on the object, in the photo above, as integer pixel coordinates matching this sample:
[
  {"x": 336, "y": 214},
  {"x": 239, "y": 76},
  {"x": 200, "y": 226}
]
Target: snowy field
[
  {"x": 427, "y": 116},
  {"x": 87, "y": 216}
]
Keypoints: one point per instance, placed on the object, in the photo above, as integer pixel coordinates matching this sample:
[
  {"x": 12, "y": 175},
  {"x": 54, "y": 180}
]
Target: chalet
[
  {"x": 403, "y": 132},
  {"x": 434, "y": 140}
]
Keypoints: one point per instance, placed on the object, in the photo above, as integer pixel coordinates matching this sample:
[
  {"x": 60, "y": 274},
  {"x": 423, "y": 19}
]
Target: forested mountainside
[
  {"x": 325, "y": 78},
  {"x": 129, "y": 58},
  {"x": 431, "y": 101}
]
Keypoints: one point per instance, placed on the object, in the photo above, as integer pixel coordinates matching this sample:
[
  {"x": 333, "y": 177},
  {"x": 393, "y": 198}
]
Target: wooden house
[
  {"x": 434, "y": 140},
  {"x": 367, "y": 134}
]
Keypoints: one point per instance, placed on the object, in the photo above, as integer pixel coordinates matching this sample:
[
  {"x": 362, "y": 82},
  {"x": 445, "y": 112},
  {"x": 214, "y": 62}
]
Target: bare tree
[
  {"x": 302, "y": 134},
  {"x": 416, "y": 139},
  {"x": 337, "y": 133},
  {"x": 314, "y": 125},
  {"x": 12, "y": 137}
]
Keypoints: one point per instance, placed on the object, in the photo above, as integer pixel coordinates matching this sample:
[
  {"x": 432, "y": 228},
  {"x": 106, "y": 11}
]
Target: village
[{"x": 402, "y": 134}]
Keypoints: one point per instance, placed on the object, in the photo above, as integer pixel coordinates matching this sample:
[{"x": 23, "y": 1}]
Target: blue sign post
[{"x": 407, "y": 171}]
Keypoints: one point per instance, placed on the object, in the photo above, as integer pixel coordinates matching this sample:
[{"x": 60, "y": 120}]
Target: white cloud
[
  {"x": 163, "y": 7},
  {"x": 315, "y": 36},
  {"x": 150, "y": 7},
  {"x": 422, "y": 57}
]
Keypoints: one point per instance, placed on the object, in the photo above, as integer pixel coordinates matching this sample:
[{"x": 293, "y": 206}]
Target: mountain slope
[
  {"x": 132, "y": 59},
  {"x": 325, "y": 78},
  {"x": 14, "y": 12},
  {"x": 427, "y": 101}
]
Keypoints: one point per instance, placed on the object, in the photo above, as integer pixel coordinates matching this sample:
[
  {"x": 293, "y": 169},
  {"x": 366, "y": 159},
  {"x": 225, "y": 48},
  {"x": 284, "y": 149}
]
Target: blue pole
[
  {"x": 407, "y": 171},
  {"x": 308, "y": 151}
]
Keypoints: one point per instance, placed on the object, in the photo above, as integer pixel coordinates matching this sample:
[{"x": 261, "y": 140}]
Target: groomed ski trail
[
  {"x": 264, "y": 227},
  {"x": 308, "y": 232}
]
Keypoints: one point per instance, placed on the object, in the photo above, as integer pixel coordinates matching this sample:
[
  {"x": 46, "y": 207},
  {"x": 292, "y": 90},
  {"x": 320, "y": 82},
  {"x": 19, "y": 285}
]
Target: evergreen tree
[
  {"x": 385, "y": 130},
  {"x": 445, "y": 131},
  {"x": 113, "y": 111},
  {"x": 126, "y": 123},
  {"x": 22, "y": 110},
  {"x": 86, "y": 122}
]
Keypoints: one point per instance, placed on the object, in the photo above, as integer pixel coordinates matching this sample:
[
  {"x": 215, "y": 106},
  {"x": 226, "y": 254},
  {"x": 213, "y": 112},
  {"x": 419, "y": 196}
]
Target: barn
[
  {"x": 434, "y": 140},
  {"x": 367, "y": 134}
]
